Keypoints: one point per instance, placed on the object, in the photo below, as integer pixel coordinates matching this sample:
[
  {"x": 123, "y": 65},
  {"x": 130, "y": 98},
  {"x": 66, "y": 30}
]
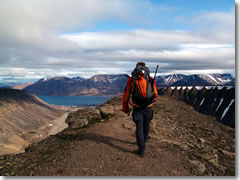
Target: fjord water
[{"x": 74, "y": 100}]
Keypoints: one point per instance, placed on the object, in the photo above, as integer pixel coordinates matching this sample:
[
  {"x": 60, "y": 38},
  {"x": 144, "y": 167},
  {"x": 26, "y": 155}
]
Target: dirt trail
[
  {"x": 183, "y": 143},
  {"x": 57, "y": 125}
]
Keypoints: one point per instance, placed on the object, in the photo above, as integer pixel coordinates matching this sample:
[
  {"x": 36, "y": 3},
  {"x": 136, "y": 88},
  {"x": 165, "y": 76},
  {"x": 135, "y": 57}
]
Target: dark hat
[{"x": 140, "y": 64}]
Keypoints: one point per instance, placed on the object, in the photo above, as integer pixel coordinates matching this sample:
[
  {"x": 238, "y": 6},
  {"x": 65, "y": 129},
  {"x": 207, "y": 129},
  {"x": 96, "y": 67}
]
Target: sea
[{"x": 75, "y": 101}]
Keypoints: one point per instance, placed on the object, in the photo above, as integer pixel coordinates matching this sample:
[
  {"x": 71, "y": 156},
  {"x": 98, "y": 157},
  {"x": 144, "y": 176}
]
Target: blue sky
[
  {"x": 165, "y": 15},
  {"x": 83, "y": 38}
]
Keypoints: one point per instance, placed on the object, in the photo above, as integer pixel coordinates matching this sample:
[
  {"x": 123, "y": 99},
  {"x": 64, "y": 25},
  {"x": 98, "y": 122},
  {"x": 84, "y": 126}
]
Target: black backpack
[{"x": 140, "y": 100}]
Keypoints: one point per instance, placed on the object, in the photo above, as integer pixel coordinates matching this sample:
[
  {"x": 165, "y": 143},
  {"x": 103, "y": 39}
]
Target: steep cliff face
[
  {"x": 216, "y": 101},
  {"x": 24, "y": 118}
]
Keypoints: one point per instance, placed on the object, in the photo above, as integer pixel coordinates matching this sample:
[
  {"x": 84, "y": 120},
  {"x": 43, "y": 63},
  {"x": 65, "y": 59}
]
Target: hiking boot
[
  {"x": 140, "y": 153},
  {"x": 146, "y": 139}
]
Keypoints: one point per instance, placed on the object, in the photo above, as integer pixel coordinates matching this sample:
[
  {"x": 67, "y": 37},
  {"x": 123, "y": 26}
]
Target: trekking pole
[
  {"x": 154, "y": 78},
  {"x": 129, "y": 111},
  {"x": 155, "y": 73}
]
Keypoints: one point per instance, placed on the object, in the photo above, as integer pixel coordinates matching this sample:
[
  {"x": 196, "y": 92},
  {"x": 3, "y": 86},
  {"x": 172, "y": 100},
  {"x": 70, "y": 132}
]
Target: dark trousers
[{"x": 142, "y": 119}]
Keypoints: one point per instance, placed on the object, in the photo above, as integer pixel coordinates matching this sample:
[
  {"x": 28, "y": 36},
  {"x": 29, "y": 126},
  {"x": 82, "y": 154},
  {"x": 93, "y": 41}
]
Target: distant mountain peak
[{"x": 107, "y": 84}]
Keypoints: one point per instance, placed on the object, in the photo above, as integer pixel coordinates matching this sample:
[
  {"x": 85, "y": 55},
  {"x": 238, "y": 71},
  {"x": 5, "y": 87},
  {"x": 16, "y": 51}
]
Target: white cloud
[
  {"x": 206, "y": 46},
  {"x": 34, "y": 39},
  {"x": 152, "y": 45},
  {"x": 217, "y": 26},
  {"x": 58, "y": 15},
  {"x": 134, "y": 39}
]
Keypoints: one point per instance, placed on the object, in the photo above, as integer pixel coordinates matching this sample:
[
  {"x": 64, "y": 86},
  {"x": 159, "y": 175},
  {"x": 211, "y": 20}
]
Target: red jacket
[{"x": 128, "y": 92}]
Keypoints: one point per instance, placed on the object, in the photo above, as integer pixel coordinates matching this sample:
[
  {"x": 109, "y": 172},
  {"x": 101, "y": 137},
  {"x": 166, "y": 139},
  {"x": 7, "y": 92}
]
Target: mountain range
[
  {"x": 104, "y": 85},
  {"x": 195, "y": 80}
]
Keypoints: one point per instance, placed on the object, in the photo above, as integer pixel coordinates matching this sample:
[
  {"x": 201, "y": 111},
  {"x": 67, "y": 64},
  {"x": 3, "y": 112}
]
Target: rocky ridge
[
  {"x": 218, "y": 101},
  {"x": 183, "y": 142}
]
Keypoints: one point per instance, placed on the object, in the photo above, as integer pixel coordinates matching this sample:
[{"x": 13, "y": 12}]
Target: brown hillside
[
  {"x": 183, "y": 143},
  {"x": 24, "y": 118}
]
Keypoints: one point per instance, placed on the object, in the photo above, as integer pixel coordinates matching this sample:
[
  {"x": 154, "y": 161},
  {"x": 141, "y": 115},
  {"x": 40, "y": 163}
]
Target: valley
[{"x": 25, "y": 119}]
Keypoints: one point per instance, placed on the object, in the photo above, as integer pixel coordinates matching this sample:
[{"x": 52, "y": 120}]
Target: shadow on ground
[{"x": 110, "y": 141}]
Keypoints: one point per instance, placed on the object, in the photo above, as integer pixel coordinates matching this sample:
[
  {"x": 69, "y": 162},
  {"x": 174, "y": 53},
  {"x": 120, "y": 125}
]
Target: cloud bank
[{"x": 53, "y": 38}]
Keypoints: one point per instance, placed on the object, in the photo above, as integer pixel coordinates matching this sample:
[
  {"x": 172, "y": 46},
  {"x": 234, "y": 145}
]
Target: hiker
[{"x": 140, "y": 93}]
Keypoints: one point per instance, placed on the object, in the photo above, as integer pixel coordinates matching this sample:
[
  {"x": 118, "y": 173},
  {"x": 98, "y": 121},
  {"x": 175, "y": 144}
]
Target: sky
[{"x": 42, "y": 38}]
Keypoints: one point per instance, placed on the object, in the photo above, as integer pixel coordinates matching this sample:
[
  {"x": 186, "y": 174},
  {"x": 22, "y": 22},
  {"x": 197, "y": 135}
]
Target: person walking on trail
[{"x": 140, "y": 93}]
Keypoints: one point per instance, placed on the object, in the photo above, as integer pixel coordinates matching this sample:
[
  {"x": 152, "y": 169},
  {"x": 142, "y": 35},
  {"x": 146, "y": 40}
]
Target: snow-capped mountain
[
  {"x": 169, "y": 79},
  {"x": 217, "y": 78},
  {"x": 205, "y": 80},
  {"x": 115, "y": 84}
]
